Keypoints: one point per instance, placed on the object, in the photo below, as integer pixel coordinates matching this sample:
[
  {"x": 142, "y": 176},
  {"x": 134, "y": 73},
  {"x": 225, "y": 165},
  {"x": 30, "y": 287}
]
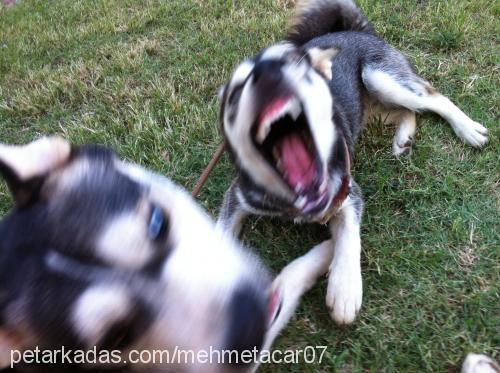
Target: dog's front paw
[
  {"x": 344, "y": 294},
  {"x": 473, "y": 133}
]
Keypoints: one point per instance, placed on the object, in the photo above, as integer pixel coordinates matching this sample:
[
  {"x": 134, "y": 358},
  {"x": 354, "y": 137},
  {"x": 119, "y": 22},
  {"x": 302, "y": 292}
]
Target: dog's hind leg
[
  {"x": 406, "y": 122},
  {"x": 399, "y": 86}
]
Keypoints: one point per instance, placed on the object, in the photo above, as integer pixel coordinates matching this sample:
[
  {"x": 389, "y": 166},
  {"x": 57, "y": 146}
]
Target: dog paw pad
[{"x": 404, "y": 148}]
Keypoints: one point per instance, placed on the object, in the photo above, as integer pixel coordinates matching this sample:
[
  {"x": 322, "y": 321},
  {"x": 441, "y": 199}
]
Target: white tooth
[
  {"x": 263, "y": 131},
  {"x": 300, "y": 202},
  {"x": 292, "y": 107},
  {"x": 298, "y": 187},
  {"x": 279, "y": 165},
  {"x": 295, "y": 109},
  {"x": 322, "y": 187}
]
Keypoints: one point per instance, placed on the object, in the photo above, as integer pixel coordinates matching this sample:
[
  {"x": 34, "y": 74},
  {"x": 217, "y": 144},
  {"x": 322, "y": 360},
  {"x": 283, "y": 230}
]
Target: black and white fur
[
  {"x": 101, "y": 252},
  {"x": 340, "y": 73}
]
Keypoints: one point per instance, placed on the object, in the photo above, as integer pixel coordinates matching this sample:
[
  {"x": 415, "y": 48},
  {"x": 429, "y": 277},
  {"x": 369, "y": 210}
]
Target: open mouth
[{"x": 282, "y": 134}]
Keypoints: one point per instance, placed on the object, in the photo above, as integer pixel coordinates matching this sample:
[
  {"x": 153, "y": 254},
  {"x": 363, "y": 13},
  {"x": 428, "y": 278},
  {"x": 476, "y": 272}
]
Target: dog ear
[
  {"x": 24, "y": 167},
  {"x": 321, "y": 60}
]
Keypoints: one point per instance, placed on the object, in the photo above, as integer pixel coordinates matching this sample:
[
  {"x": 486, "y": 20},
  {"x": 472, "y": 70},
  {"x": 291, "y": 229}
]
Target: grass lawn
[{"x": 142, "y": 76}]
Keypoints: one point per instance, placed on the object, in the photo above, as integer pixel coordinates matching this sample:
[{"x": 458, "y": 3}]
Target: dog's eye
[
  {"x": 236, "y": 93},
  {"x": 158, "y": 224}
]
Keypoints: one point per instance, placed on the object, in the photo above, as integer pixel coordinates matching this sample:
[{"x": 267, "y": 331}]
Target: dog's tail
[{"x": 314, "y": 18}]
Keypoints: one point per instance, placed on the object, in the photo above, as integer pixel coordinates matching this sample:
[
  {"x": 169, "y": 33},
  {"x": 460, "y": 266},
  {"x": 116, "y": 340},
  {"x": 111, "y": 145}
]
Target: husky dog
[
  {"x": 100, "y": 252},
  {"x": 292, "y": 115}
]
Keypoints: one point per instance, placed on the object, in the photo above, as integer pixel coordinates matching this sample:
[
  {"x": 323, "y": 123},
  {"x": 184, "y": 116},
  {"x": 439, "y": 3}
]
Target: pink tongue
[{"x": 296, "y": 161}]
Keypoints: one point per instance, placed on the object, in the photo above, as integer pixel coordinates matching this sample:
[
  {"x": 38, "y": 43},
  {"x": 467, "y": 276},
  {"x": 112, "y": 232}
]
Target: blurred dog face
[
  {"x": 98, "y": 252},
  {"x": 277, "y": 116}
]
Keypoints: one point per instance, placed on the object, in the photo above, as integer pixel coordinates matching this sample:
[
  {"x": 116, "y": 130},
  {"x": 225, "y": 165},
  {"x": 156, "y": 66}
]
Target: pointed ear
[
  {"x": 321, "y": 60},
  {"x": 24, "y": 167}
]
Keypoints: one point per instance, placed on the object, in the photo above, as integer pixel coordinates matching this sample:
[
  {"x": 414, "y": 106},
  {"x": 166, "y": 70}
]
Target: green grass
[{"x": 142, "y": 76}]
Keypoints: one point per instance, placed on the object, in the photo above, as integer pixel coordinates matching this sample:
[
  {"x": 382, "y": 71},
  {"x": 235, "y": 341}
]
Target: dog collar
[{"x": 337, "y": 201}]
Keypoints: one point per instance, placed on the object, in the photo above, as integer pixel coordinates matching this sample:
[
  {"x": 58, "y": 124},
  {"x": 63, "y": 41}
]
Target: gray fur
[{"x": 360, "y": 52}]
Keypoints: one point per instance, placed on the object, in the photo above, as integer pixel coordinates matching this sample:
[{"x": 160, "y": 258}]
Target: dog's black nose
[
  {"x": 268, "y": 73},
  {"x": 248, "y": 320}
]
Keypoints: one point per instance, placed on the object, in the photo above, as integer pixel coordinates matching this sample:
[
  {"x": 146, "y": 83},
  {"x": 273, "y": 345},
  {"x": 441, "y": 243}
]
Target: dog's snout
[
  {"x": 248, "y": 318},
  {"x": 268, "y": 73}
]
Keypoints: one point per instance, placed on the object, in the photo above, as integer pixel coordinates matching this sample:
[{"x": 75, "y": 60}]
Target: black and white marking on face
[
  {"x": 110, "y": 254},
  {"x": 277, "y": 116}
]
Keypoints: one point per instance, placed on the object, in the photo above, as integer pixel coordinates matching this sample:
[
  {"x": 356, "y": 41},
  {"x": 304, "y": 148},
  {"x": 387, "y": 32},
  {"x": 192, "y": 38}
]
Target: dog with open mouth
[
  {"x": 291, "y": 116},
  {"x": 98, "y": 252}
]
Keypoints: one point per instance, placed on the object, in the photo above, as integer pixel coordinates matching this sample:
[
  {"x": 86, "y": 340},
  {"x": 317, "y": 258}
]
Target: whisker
[{"x": 301, "y": 58}]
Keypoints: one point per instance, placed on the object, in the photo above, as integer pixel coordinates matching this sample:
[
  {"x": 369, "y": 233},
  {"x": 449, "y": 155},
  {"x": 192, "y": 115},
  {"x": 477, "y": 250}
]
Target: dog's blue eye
[{"x": 157, "y": 223}]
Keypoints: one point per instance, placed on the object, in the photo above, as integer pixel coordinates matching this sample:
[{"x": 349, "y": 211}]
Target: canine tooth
[
  {"x": 291, "y": 107},
  {"x": 298, "y": 187},
  {"x": 300, "y": 202},
  {"x": 322, "y": 187},
  {"x": 295, "y": 109},
  {"x": 263, "y": 131}
]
